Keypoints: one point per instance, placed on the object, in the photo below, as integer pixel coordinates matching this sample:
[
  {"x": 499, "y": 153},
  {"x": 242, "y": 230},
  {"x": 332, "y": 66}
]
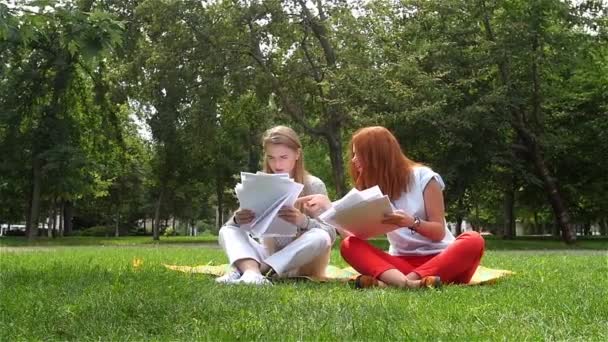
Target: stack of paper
[
  {"x": 265, "y": 194},
  {"x": 361, "y": 212}
]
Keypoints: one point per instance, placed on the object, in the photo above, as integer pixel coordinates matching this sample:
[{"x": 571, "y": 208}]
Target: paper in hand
[
  {"x": 361, "y": 213},
  {"x": 265, "y": 194}
]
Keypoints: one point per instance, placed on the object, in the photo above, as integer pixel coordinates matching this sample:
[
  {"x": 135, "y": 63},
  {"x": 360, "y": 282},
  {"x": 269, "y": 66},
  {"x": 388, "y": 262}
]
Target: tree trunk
[
  {"x": 333, "y": 112},
  {"x": 61, "y": 219},
  {"x": 337, "y": 163},
  {"x": 68, "y": 216},
  {"x": 530, "y": 139},
  {"x": 54, "y": 220},
  {"x": 117, "y": 224},
  {"x": 219, "y": 192},
  {"x": 477, "y": 226},
  {"x": 49, "y": 232},
  {"x": 555, "y": 229},
  {"x": 509, "y": 213},
  {"x": 28, "y": 212},
  {"x": 537, "y": 227},
  {"x": 32, "y": 224},
  {"x": 603, "y": 227},
  {"x": 156, "y": 222},
  {"x": 557, "y": 204},
  {"x": 459, "y": 220},
  {"x": 460, "y": 212}
]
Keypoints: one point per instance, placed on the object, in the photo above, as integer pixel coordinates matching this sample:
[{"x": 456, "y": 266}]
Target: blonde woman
[{"x": 306, "y": 254}]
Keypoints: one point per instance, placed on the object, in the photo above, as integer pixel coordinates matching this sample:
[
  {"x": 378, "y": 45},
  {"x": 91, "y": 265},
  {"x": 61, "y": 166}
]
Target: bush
[{"x": 207, "y": 227}]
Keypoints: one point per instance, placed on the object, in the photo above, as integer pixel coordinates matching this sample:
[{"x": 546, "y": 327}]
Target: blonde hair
[{"x": 283, "y": 135}]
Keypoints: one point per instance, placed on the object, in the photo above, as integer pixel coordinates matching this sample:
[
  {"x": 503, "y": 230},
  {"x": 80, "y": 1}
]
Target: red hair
[{"x": 383, "y": 163}]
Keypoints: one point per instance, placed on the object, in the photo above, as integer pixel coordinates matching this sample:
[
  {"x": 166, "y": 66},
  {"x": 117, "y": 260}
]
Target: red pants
[{"x": 455, "y": 264}]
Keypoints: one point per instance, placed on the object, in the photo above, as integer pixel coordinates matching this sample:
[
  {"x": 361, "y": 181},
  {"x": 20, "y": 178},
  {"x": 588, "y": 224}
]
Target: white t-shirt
[{"x": 404, "y": 241}]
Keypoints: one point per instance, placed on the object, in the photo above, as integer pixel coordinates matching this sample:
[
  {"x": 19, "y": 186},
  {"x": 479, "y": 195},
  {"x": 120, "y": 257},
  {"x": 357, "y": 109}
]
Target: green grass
[
  {"x": 94, "y": 293},
  {"x": 17, "y": 241},
  {"x": 492, "y": 243},
  {"x": 525, "y": 243}
]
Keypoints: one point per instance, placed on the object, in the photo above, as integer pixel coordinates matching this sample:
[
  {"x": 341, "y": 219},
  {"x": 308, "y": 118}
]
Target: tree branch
[
  {"x": 320, "y": 33},
  {"x": 316, "y": 70},
  {"x": 293, "y": 110}
]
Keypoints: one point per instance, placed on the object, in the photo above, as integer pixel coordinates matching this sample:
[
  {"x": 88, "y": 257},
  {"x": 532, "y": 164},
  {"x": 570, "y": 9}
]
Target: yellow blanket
[{"x": 483, "y": 275}]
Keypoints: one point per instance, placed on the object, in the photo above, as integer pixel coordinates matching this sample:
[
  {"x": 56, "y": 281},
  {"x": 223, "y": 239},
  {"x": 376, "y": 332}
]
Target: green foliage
[
  {"x": 55, "y": 126},
  {"x": 206, "y": 79},
  {"x": 169, "y": 232}
]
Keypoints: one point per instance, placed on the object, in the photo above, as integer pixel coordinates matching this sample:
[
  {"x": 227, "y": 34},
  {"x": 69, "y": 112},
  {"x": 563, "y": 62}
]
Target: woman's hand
[
  {"x": 399, "y": 219},
  {"x": 315, "y": 204},
  {"x": 243, "y": 216},
  {"x": 293, "y": 216}
]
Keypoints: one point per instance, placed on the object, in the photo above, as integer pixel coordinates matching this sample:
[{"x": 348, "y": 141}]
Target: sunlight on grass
[
  {"x": 105, "y": 241},
  {"x": 124, "y": 293}
]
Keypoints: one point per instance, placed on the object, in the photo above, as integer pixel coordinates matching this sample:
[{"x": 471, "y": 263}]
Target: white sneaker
[
  {"x": 229, "y": 278},
  {"x": 253, "y": 278}
]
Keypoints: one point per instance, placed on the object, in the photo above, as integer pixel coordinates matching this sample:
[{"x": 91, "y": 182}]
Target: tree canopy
[{"x": 506, "y": 99}]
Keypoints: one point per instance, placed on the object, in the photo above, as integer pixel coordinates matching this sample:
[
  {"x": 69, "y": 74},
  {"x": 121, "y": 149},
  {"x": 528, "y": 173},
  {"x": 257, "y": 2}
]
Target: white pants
[{"x": 239, "y": 245}]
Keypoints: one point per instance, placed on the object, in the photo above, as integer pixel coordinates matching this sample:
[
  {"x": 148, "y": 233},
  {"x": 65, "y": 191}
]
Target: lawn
[
  {"x": 17, "y": 241},
  {"x": 93, "y": 292}
]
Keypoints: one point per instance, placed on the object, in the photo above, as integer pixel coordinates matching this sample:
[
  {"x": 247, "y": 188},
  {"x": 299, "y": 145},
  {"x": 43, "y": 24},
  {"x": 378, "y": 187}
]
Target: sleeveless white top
[{"x": 404, "y": 241}]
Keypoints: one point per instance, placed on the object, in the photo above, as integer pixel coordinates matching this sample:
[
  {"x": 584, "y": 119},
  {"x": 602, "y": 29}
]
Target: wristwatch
[
  {"x": 306, "y": 226},
  {"x": 416, "y": 224}
]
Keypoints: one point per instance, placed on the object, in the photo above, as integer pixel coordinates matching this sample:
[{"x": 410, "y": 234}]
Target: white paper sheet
[
  {"x": 265, "y": 194},
  {"x": 360, "y": 212}
]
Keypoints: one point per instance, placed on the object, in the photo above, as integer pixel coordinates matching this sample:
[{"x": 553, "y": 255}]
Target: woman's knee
[
  {"x": 225, "y": 232},
  {"x": 348, "y": 245},
  {"x": 319, "y": 238},
  {"x": 474, "y": 240}
]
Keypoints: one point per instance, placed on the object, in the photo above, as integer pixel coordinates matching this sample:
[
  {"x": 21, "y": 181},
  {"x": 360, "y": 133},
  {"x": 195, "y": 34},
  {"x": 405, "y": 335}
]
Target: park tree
[{"x": 51, "y": 125}]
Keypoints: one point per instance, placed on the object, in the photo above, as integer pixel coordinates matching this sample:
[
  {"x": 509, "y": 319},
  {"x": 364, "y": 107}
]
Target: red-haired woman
[{"x": 423, "y": 252}]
